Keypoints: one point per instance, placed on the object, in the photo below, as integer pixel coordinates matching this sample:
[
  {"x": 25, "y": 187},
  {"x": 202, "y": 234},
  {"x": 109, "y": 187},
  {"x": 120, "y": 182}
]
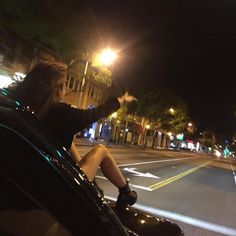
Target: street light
[
  {"x": 171, "y": 110},
  {"x": 191, "y": 127},
  {"x": 114, "y": 115},
  {"x": 105, "y": 58}
]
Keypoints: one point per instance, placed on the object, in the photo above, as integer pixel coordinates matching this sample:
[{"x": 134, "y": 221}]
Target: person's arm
[{"x": 80, "y": 119}]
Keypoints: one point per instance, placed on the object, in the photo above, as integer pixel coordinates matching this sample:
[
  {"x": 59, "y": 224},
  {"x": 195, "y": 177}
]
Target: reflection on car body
[{"x": 44, "y": 193}]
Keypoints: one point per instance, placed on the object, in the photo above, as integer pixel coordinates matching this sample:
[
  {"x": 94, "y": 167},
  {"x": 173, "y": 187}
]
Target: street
[{"x": 193, "y": 190}]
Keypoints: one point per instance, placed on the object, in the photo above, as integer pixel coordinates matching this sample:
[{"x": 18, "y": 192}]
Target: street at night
[
  {"x": 153, "y": 81},
  {"x": 195, "y": 190}
]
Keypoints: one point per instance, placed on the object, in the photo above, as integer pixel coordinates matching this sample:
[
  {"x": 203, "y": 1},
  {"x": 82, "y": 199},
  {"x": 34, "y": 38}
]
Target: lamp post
[
  {"x": 105, "y": 58},
  {"x": 113, "y": 125},
  {"x": 82, "y": 83},
  {"x": 147, "y": 127}
]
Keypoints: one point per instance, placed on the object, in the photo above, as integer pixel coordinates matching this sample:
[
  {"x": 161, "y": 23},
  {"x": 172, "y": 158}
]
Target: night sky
[{"x": 187, "y": 46}]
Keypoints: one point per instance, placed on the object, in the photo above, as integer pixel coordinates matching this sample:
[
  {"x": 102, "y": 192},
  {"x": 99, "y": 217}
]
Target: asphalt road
[{"x": 195, "y": 191}]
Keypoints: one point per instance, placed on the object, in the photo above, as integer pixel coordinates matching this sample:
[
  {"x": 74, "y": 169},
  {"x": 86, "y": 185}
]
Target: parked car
[{"x": 43, "y": 192}]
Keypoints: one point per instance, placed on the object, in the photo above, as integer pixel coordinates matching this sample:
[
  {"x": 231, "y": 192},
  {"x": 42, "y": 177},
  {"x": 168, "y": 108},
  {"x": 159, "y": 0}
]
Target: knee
[{"x": 100, "y": 147}]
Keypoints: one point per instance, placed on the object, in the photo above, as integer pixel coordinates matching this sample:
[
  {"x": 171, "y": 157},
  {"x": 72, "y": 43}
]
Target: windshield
[{"x": 176, "y": 141}]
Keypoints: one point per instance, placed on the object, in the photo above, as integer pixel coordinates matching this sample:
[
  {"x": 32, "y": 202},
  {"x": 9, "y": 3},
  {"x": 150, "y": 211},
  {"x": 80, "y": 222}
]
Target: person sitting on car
[{"x": 42, "y": 90}]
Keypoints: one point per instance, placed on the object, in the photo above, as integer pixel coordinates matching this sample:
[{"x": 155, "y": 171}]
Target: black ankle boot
[{"x": 126, "y": 197}]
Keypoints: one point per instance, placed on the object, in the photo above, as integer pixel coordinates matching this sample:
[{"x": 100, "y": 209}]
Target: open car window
[{"x": 20, "y": 215}]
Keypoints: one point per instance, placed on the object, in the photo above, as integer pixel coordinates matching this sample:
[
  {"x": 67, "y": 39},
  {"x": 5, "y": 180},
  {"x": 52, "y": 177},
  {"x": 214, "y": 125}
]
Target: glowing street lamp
[
  {"x": 114, "y": 115},
  {"x": 171, "y": 110},
  {"x": 191, "y": 127},
  {"x": 105, "y": 58}
]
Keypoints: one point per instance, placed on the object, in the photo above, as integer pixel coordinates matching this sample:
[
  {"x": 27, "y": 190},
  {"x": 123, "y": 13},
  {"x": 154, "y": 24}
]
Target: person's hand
[{"x": 126, "y": 98}]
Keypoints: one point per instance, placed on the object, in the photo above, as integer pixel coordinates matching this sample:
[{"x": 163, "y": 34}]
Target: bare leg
[
  {"x": 100, "y": 156},
  {"x": 74, "y": 153}
]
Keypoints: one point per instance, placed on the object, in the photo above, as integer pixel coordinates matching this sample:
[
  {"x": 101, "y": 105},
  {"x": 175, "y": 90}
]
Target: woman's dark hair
[{"x": 39, "y": 83}]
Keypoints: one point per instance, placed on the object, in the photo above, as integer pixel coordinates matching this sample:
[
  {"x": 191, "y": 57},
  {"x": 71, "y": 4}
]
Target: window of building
[
  {"x": 79, "y": 85},
  {"x": 71, "y": 83},
  {"x": 76, "y": 86},
  {"x": 67, "y": 80},
  {"x": 92, "y": 92}
]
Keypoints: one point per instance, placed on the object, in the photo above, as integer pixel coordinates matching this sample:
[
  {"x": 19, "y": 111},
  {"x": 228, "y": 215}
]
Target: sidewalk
[{"x": 88, "y": 142}]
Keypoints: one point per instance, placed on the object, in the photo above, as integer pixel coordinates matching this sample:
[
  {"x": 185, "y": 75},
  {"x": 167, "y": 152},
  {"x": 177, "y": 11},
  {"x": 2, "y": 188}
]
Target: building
[{"x": 18, "y": 55}]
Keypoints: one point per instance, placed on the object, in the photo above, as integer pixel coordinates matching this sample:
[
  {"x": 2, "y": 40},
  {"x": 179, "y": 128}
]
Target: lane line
[
  {"x": 141, "y": 187},
  {"x": 133, "y": 185},
  {"x": 177, "y": 177},
  {"x": 234, "y": 177},
  {"x": 151, "y": 162},
  {"x": 233, "y": 173},
  {"x": 162, "y": 183},
  {"x": 184, "y": 219}
]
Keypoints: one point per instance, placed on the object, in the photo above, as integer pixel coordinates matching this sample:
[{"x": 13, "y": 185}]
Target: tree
[
  {"x": 155, "y": 107},
  {"x": 150, "y": 105},
  {"x": 177, "y": 121},
  {"x": 59, "y": 25},
  {"x": 207, "y": 138},
  {"x": 233, "y": 145}
]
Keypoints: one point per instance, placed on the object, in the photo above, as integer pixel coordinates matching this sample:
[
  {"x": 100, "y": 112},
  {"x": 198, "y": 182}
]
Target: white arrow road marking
[{"x": 140, "y": 174}]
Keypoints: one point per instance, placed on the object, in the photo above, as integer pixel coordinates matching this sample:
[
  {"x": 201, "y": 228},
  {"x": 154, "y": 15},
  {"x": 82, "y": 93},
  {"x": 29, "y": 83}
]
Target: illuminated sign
[{"x": 180, "y": 137}]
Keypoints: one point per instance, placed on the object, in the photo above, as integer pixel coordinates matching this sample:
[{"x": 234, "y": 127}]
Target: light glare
[
  {"x": 5, "y": 81},
  {"x": 107, "y": 57}
]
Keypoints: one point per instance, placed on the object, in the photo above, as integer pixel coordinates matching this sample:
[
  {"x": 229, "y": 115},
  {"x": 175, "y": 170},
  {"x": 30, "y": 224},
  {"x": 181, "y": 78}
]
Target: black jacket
[{"x": 64, "y": 121}]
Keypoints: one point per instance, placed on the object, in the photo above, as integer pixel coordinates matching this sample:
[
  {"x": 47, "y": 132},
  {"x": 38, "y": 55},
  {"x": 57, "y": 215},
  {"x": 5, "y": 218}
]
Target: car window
[{"x": 20, "y": 215}]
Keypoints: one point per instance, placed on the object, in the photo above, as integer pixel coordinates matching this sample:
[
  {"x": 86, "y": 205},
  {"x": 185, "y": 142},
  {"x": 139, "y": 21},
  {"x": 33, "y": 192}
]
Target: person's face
[{"x": 59, "y": 91}]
